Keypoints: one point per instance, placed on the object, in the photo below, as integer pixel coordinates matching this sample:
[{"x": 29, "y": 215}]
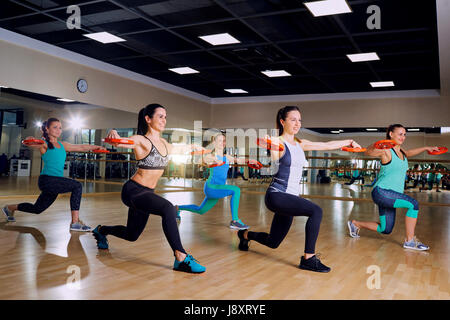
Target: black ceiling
[{"x": 274, "y": 34}]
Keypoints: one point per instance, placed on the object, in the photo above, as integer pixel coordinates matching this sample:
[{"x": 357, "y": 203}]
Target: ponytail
[
  {"x": 44, "y": 128},
  {"x": 391, "y": 128},
  {"x": 149, "y": 110},
  {"x": 282, "y": 114}
]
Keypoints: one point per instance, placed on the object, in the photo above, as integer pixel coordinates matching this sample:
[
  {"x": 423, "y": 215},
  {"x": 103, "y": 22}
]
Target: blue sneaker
[
  {"x": 189, "y": 264},
  {"x": 102, "y": 242},
  {"x": 238, "y": 225},
  {"x": 354, "y": 230},
  {"x": 9, "y": 215},
  {"x": 415, "y": 244},
  {"x": 80, "y": 226}
]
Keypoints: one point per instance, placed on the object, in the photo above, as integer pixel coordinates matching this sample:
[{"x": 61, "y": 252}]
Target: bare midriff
[{"x": 147, "y": 178}]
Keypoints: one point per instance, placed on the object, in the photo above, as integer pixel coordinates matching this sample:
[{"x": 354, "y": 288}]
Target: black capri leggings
[
  {"x": 51, "y": 187},
  {"x": 287, "y": 206},
  {"x": 142, "y": 202}
]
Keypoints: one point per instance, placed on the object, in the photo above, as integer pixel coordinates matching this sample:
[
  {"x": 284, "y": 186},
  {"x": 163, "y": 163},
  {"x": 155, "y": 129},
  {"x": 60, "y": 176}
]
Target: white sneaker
[{"x": 353, "y": 230}]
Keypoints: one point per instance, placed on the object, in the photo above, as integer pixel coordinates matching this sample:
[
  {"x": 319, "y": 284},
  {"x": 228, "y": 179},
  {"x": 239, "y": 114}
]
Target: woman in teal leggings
[{"x": 216, "y": 188}]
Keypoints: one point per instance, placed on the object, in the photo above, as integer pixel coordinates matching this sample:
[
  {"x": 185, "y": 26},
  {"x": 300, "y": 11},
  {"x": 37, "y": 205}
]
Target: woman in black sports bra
[{"x": 152, "y": 152}]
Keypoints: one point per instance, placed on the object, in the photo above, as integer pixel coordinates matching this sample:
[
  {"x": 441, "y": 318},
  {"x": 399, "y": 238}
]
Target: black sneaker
[
  {"x": 313, "y": 264},
  {"x": 243, "y": 243}
]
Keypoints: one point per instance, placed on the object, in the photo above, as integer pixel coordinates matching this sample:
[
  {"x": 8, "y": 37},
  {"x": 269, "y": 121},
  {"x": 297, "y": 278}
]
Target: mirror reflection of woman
[
  {"x": 216, "y": 188},
  {"x": 138, "y": 194},
  {"x": 51, "y": 181}
]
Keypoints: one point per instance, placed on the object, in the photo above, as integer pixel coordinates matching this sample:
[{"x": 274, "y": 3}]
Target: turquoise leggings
[{"x": 213, "y": 193}]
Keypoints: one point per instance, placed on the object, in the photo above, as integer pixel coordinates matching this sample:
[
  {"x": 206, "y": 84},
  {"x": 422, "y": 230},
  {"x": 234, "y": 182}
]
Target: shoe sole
[
  {"x": 416, "y": 249},
  {"x": 80, "y": 230},
  {"x": 314, "y": 270},
  {"x": 237, "y": 228},
  {"x": 189, "y": 271},
  {"x": 350, "y": 230}
]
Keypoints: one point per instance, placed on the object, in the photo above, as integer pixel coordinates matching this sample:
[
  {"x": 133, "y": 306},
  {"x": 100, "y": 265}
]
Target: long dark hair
[
  {"x": 391, "y": 128},
  {"x": 149, "y": 110},
  {"x": 45, "y": 125},
  {"x": 282, "y": 114}
]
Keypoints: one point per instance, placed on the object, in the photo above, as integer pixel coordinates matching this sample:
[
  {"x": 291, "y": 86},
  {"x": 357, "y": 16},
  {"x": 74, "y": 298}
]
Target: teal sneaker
[
  {"x": 189, "y": 265},
  {"x": 415, "y": 244},
  {"x": 102, "y": 242},
  {"x": 9, "y": 215},
  {"x": 238, "y": 225}
]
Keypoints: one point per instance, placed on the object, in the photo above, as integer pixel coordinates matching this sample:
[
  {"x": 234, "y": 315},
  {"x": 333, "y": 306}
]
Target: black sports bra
[{"x": 154, "y": 160}]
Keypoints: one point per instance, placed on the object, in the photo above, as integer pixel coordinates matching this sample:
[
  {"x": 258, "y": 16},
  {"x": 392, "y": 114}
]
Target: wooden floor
[{"x": 38, "y": 253}]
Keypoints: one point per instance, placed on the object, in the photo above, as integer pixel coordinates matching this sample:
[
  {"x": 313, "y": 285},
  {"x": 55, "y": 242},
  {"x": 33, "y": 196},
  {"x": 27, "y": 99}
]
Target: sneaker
[
  {"x": 80, "y": 226},
  {"x": 354, "y": 230},
  {"x": 9, "y": 215},
  {"x": 189, "y": 264},
  {"x": 415, "y": 244},
  {"x": 102, "y": 242},
  {"x": 313, "y": 264},
  {"x": 238, "y": 225},
  {"x": 243, "y": 243}
]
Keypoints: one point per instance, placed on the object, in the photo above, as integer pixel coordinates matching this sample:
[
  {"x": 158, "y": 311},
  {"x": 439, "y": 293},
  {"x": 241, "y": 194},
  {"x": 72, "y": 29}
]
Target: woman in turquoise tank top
[
  {"x": 51, "y": 181},
  {"x": 216, "y": 188},
  {"x": 388, "y": 190}
]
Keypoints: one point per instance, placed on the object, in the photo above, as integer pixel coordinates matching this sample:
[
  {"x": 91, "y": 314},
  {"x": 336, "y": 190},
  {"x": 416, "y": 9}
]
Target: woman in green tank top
[
  {"x": 52, "y": 182},
  {"x": 388, "y": 190}
]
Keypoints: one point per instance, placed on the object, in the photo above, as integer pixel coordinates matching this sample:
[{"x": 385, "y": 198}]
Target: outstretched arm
[
  {"x": 330, "y": 145},
  {"x": 416, "y": 151}
]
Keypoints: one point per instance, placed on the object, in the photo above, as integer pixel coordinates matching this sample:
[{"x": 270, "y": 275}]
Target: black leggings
[
  {"x": 142, "y": 202},
  {"x": 51, "y": 187},
  {"x": 286, "y": 206}
]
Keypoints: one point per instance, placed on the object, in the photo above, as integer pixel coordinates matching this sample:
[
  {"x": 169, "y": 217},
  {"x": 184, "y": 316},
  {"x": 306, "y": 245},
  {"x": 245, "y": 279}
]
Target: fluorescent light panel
[
  {"x": 65, "y": 100},
  {"x": 382, "y": 84},
  {"x": 276, "y": 73},
  {"x": 361, "y": 57},
  {"x": 104, "y": 37},
  {"x": 235, "y": 91},
  {"x": 335, "y": 131},
  {"x": 372, "y": 129},
  {"x": 327, "y": 7},
  {"x": 220, "y": 39},
  {"x": 414, "y": 129},
  {"x": 184, "y": 70},
  {"x": 3, "y": 87}
]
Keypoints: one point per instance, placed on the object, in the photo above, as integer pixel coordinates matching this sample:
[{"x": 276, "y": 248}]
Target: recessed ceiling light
[
  {"x": 65, "y": 100},
  {"x": 220, "y": 39},
  {"x": 360, "y": 57},
  {"x": 327, "y": 7},
  {"x": 184, "y": 70},
  {"x": 104, "y": 37},
  {"x": 414, "y": 129},
  {"x": 236, "y": 91},
  {"x": 372, "y": 129},
  {"x": 276, "y": 73},
  {"x": 382, "y": 84}
]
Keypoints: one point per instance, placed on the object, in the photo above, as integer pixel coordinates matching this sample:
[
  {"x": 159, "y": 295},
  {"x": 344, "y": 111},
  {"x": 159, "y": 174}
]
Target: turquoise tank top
[
  {"x": 54, "y": 160},
  {"x": 392, "y": 175},
  {"x": 218, "y": 175}
]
